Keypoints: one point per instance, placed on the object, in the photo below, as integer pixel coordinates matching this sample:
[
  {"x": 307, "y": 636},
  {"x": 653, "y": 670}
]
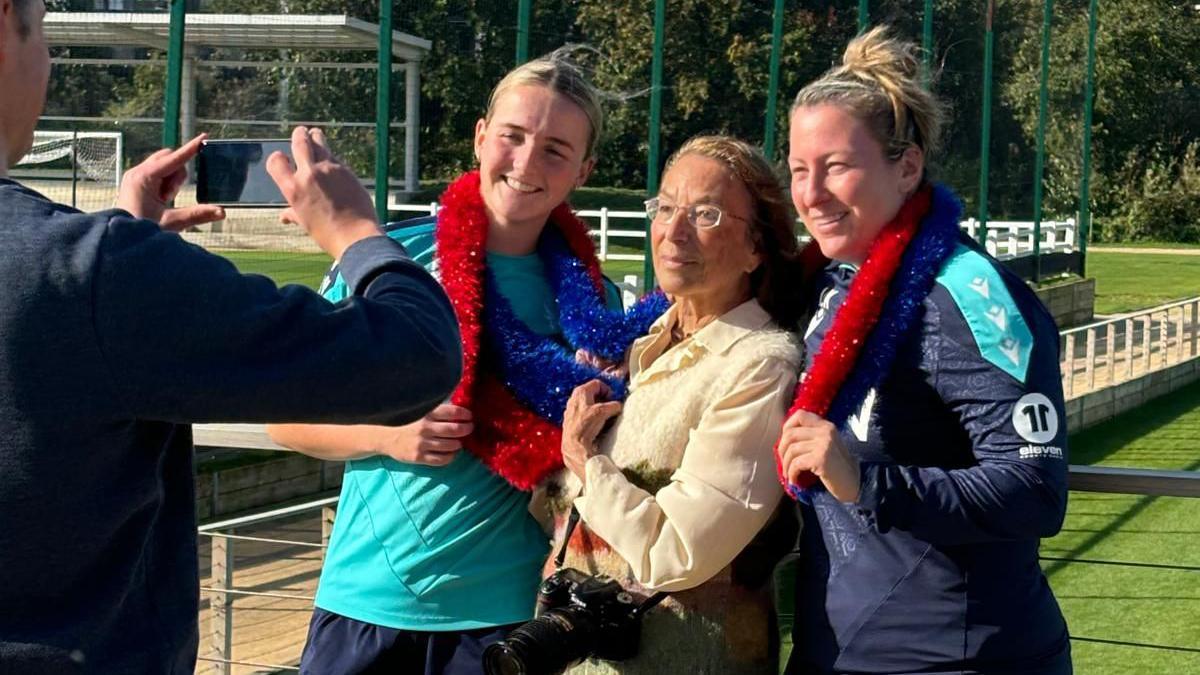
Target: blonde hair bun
[{"x": 881, "y": 81}]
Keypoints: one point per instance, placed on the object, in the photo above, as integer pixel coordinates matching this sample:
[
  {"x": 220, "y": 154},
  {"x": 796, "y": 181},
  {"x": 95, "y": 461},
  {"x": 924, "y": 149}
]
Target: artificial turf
[{"x": 1143, "y": 617}]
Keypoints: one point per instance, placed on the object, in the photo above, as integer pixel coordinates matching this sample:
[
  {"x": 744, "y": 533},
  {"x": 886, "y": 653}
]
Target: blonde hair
[
  {"x": 557, "y": 72},
  {"x": 777, "y": 283},
  {"x": 881, "y": 83}
]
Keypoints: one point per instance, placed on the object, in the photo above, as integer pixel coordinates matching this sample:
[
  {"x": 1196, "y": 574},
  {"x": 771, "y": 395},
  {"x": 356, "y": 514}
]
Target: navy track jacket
[
  {"x": 964, "y": 467},
  {"x": 114, "y": 337}
]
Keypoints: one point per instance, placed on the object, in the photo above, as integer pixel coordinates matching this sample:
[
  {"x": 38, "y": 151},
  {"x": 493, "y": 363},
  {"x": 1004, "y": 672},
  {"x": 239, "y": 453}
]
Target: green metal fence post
[
  {"x": 986, "y": 135},
  {"x": 1085, "y": 207},
  {"x": 524, "y": 9},
  {"x": 1040, "y": 162},
  {"x": 864, "y": 15},
  {"x": 927, "y": 40},
  {"x": 656, "y": 76},
  {"x": 170, "y": 132},
  {"x": 383, "y": 110},
  {"x": 74, "y": 168},
  {"x": 773, "y": 86}
]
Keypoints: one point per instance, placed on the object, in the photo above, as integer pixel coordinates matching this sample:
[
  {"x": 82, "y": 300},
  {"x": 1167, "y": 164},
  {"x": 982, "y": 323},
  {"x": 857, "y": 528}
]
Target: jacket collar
[{"x": 654, "y": 353}]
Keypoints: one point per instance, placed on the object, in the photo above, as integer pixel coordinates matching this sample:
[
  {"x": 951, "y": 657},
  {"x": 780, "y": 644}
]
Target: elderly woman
[
  {"x": 929, "y": 428},
  {"x": 682, "y": 481},
  {"x": 434, "y": 554}
]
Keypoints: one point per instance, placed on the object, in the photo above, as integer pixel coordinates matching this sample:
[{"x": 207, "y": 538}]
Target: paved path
[{"x": 1148, "y": 251}]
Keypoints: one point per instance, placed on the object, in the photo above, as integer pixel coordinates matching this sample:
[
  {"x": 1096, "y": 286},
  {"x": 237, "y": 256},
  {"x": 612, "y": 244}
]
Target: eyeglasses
[{"x": 701, "y": 216}]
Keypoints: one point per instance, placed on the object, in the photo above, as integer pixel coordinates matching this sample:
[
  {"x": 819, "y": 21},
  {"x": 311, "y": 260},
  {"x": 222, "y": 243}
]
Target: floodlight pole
[
  {"x": 524, "y": 9},
  {"x": 1040, "y": 162},
  {"x": 383, "y": 111},
  {"x": 1089, "y": 87},
  {"x": 170, "y": 133},
  {"x": 986, "y": 134},
  {"x": 773, "y": 87},
  {"x": 927, "y": 40},
  {"x": 656, "y": 76}
]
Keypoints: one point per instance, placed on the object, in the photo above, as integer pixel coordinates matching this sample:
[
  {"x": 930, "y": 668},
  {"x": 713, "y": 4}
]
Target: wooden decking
[{"x": 266, "y": 630}]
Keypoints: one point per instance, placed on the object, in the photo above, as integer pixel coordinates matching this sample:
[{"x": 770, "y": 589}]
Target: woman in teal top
[{"x": 434, "y": 554}]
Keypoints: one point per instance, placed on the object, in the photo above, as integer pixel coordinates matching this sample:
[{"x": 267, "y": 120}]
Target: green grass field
[
  {"x": 619, "y": 199},
  {"x": 1128, "y": 619},
  {"x": 305, "y": 269},
  {"x": 1129, "y": 281},
  {"x": 1124, "y": 281},
  {"x": 1142, "y": 244}
]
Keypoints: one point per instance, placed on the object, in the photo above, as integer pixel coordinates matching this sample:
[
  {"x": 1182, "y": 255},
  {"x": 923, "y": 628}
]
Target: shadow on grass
[
  {"x": 1143, "y": 645},
  {"x": 1093, "y": 445}
]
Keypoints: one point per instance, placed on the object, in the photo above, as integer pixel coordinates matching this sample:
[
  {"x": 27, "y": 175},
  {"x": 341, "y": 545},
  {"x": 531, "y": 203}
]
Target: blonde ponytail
[{"x": 880, "y": 82}]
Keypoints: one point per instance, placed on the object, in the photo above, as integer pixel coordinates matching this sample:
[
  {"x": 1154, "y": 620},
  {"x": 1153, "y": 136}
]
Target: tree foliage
[
  {"x": 1145, "y": 131},
  {"x": 1146, "y": 122}
]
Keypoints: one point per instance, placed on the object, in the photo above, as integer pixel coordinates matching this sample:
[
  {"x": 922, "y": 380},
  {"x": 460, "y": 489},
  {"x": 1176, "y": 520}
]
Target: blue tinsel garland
[
  {"x": 539, "y": 371},
  {"x": 902, "y": 310}
]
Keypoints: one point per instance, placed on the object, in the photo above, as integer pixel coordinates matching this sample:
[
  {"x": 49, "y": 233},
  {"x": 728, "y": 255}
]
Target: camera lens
[
  {"x": 500, "y": 659},
  {"x": 545, "y": 646}
]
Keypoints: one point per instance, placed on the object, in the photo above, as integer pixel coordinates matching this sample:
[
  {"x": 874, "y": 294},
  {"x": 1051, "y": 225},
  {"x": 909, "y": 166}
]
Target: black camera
[{"x": 579, "y": 616}]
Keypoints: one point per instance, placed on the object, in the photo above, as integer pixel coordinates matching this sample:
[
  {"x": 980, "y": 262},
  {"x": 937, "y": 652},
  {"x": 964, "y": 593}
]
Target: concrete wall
[
  {"x": 1098, "y": 406},
  {"x": 277, "y": 478},
  {"x": 1072, "y": 303}
]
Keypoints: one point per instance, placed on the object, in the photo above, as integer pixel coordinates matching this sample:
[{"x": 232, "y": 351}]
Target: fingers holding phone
[
  {"x": 148, "y": 189},
  {"x": 323, "y": 195}
]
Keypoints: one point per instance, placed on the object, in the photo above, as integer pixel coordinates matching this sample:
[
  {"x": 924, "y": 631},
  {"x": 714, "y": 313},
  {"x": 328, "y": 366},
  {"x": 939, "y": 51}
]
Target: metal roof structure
[
  {"x": 299, "y": 32},
  {"x": 243, "y": 31}
]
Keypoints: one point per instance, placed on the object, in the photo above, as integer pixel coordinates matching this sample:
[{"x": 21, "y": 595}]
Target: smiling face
[
  {"x": 532, "y": 153},
  {"x": 843, "y": 186},
  {"x": 24, "y": 73},
  {"x": 710, "y": 266}
]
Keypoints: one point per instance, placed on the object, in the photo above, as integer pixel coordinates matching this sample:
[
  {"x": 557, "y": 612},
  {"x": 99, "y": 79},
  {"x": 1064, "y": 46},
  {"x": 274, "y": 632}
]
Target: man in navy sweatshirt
[{"x": 116, "y": 335}]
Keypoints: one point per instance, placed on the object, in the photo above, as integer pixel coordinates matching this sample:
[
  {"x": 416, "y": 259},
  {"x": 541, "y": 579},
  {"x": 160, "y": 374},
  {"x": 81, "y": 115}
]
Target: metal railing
[
  {"x": 1117, "y": 350},
  {"x": 222, "y": 591},
  {"x": 1005, "y": 239}
]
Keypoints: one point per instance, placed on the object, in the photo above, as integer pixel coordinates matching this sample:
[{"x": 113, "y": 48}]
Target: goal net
[{"x": 81, "y": 168}]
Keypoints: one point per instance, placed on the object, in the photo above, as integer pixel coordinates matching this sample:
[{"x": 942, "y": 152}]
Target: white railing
[
  {"x": 1013, "y": 239},
  {"x": 1106, "y": 353},
  {"x": 1005, "y": 239}
]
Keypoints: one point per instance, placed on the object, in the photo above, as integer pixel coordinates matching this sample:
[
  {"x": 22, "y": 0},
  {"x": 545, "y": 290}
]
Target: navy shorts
[{"x": 339, "y": 645}]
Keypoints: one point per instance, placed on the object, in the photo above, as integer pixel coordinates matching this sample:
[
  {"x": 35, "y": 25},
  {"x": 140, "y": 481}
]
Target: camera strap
[{"x": 572, "y": 522}]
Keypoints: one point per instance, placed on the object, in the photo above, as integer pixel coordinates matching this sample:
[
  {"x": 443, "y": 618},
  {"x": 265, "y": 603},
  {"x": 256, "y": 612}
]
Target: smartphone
[{"x": 234, "y": 173}]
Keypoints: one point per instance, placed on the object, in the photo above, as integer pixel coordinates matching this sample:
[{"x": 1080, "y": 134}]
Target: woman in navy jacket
[{"x": 927, "y": 442}]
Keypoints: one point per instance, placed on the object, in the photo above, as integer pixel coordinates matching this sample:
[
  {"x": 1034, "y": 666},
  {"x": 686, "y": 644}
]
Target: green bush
[{"x": 1155, "y": 197}]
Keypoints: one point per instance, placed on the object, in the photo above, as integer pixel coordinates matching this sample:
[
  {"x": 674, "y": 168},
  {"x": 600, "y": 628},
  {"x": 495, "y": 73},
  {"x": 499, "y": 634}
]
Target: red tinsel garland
[
  {"x": 855, "y": 318},
  {"x": 509, "y": 438}
]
